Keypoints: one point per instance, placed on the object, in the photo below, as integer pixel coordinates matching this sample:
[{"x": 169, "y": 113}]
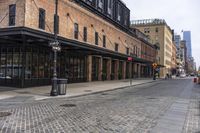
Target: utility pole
[{"x": 55, "y": 47}]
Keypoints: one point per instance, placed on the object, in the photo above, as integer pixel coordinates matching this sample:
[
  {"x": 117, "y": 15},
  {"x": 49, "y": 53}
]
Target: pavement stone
[{"x": 138, "y": 109}]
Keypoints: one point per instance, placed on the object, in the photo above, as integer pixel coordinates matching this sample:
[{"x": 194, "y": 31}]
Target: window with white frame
[
  {"x": 118, "y": 12},
  {"x": 100, "y": 4},
  {"x": 110, "y": 6}
]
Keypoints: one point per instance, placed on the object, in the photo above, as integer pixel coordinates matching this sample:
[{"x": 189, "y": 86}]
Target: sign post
[{"x": 130, "y": 59}]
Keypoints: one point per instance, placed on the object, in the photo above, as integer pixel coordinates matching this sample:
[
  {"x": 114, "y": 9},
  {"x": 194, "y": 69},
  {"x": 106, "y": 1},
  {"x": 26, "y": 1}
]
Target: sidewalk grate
[
  {"x": 68, "y": 105},
  {"x": 4, "y": 114}
]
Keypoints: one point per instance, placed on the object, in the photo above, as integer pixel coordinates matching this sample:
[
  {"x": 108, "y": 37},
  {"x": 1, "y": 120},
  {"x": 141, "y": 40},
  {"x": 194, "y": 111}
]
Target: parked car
[
  {"x": 192, "y": 74},
  {"x": 183, "y": 75}
]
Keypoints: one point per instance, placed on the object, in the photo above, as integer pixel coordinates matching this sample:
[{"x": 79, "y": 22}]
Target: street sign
[
  {"x": 130, "y": 58},
  {"x": 55, "y": 46},
  {"x": 54, "y": 43},
  {"x": 154, "y": 65},
  {"x": 157, "y": 69}
]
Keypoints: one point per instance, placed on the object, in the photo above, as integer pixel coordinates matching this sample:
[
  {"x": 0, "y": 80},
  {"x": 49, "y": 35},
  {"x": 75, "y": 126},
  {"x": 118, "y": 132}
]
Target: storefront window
[
  {"x": 71, "y": 70},
  {"x": 105, "y": 61},
  {"x": 16, "y": 63},
  {"x": 3, "y": 63},
  {"x": 35, "y": 64},
  {"x": 41, "y": 65},
  {"x": 10, "y": 64},
  {"x": 79, "y": 70},
  {"x": 47, "y": 65},
  {"x": 75, "y": 68},
  {"x": 28, "y": 67},
  {"x": 82, "y": 68}
]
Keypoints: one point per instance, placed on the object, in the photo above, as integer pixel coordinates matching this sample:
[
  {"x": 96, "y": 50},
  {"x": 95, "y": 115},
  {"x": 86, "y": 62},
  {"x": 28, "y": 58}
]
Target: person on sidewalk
[{"x": 167, "y": 76}]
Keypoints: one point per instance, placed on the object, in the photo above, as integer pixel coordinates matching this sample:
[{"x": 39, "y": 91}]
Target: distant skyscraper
[
  {"x": 177, "y": 41},
  {"x": 187, "y": 38}
]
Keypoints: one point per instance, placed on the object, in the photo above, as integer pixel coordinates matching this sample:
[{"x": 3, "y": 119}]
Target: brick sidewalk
[{"x": 77, "y": 89}]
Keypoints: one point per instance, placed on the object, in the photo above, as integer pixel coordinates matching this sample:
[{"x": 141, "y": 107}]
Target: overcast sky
[{"x": 179, "y": 15}]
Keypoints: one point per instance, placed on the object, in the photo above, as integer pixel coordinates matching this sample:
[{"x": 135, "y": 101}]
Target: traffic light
[{"x": 154, "y": 65}]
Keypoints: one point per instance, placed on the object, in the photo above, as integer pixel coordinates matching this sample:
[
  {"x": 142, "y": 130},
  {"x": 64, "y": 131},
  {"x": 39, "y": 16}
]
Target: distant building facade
[
  {"x": 174, "y": 59},
  {"x": 187, "y": 38},
  {"x": 183, "y": 56},
  {"x": 161, "y": 34},
  {"x": 95, "y": 38},
  {"x": 177, "y": 40}
]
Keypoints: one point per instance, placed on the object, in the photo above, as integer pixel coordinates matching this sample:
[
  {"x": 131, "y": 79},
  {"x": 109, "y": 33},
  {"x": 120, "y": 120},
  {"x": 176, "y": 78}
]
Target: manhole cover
[
  {"x": 3, "y": 114},
  {"x": 68, "y": 105}
]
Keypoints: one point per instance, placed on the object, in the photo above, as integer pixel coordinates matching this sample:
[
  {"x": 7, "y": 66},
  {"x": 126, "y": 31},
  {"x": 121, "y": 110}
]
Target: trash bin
[{"x": 62, "y": 86}]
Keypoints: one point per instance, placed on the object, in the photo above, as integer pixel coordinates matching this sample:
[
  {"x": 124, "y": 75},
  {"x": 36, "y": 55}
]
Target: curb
[{"x": 98, "y": 92}]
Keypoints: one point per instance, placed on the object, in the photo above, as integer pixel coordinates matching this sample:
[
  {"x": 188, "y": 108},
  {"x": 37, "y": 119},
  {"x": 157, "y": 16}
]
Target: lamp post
[{"x": 55, "y": 47}]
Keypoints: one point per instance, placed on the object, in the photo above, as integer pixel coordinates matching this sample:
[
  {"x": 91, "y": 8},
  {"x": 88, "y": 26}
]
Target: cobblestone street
[{"x": 138, "y": 109}]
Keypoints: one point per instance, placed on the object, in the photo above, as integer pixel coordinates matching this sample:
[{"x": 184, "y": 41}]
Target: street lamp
[{"x": 56, "y": 48}]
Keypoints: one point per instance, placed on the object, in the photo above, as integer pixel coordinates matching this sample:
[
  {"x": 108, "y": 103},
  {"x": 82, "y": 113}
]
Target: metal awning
[{"x": 16, "y": 34}]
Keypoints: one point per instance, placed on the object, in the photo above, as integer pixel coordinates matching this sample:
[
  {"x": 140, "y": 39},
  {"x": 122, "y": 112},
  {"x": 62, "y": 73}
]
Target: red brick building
[{"x": 94, "y": 35}]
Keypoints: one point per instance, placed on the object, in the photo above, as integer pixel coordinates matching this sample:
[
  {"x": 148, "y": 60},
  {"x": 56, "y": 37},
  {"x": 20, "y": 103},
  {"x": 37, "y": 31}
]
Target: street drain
[
  {"x": 68, "y": 105},
  {"x": 88, "y": 90},
  {"x": 151, "y": 98},
  {"x": 4, "y": 114}
]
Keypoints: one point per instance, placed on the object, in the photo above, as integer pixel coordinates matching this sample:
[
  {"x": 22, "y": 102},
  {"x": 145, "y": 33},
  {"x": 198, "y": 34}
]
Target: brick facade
[{"x": 71, "y": 13}]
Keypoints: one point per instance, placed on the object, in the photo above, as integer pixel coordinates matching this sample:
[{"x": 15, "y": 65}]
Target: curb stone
[{"x": 98, "y": 92}]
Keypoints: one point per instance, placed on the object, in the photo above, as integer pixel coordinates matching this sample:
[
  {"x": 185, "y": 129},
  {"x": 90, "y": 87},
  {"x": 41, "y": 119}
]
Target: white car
[{"x": 182, "y": 75}]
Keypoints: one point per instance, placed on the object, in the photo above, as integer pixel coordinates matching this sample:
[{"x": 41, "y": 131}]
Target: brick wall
[
  {"x": 4, "y": 12},
  {"x": 70, "y": 13}
]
